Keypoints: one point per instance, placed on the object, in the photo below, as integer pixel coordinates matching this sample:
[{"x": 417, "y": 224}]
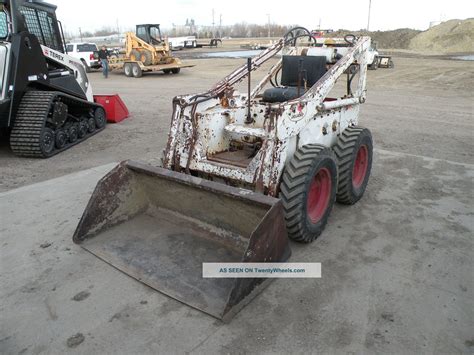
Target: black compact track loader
[{"x": 46, "y": 100}]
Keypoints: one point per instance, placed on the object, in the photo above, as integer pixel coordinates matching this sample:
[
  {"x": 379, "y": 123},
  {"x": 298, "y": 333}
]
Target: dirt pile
[
  {"x": 399, "y": 38},
  {"x": 448, "y": 37}
]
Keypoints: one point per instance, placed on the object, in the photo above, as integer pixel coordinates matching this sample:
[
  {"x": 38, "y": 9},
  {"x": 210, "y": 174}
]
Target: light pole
[
  {"x": 269, "y": 33},
  {"x": 368, "y": 19}
]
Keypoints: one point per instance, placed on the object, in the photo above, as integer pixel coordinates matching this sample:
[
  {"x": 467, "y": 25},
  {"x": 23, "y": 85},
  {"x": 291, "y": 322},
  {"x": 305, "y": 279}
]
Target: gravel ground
[
  {"x": 396, "y": 268},
  {"x": 421, "y": 107}
]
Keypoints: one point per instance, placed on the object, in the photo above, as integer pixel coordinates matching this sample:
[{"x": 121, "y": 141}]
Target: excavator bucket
[{"x": 159, "y": 226}]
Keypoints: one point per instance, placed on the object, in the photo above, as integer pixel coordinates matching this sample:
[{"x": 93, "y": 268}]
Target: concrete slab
[{"x": 396, "y": 277}]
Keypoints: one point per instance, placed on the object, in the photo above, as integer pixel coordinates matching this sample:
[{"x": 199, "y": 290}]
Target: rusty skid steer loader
[{"x": 241, "y": 173}]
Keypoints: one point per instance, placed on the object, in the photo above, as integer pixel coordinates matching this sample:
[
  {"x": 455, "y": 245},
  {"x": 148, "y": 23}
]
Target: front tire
[
  {"x": 308, "y": 191},
  {"x": 354, "y": 150}
]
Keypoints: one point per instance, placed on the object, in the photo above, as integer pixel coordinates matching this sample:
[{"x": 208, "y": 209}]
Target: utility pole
[
  {"x": 269, "y": 32},
  {"x": 368, "y": 19},
  {"x": 319, "y": 25},
  {"x": 213, "y": 23},
  {"x": 80, "y": 33}
]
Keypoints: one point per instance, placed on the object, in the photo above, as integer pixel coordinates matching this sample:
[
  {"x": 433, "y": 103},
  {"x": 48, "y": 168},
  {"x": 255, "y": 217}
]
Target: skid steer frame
[{"x": 202, "y": 125}]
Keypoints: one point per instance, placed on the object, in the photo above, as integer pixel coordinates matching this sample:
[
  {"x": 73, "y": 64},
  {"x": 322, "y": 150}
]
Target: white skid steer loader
[{"x": 241, "y": 173}]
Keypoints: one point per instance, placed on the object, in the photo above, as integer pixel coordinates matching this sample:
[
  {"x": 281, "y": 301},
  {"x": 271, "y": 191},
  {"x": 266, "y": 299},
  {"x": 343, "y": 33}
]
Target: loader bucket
[
  {"x": 159, "y": 226},
  {"x": 115, "y": 109}
]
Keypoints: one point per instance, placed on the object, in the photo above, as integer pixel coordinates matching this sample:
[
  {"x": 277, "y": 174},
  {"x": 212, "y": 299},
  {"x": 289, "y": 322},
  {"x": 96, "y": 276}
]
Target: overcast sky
[{"x": 347, "y": 14}]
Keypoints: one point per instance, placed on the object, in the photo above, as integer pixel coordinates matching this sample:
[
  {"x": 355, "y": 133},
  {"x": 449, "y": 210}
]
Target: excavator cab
[{"x": 150, "y": 33}]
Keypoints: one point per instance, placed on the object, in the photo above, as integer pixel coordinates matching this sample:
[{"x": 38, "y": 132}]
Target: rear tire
[
  {"x": 167, "y": 71},
  {"x": 145, "y": 57},
  {"x": 175, "y": 70},
  {"x": 354, "y": 151},
  {"x": 308, "y": 191},
  {"x": 136, "y": 70},
  {"x": 127, "y": 69}
]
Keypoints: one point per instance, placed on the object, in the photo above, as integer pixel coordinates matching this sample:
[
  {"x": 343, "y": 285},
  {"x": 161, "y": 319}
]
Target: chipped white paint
[{"x": 215, "y": 121}]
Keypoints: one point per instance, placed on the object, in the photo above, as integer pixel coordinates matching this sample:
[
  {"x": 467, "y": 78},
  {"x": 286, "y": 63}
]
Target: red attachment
[
  {"x": 360, "y": 166},
  {"x": 91, "y": 56},
  {"x": 115, "y": 109},
  {"x": 318, "y": 195}
]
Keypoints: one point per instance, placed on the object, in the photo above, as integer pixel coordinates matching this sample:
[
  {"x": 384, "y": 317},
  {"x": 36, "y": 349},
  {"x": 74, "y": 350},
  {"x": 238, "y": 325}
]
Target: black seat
[{"x": 312, "y": 68}]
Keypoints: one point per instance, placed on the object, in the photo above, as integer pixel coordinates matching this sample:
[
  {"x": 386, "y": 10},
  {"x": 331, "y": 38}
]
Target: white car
[{"x": 84, "y": 52}]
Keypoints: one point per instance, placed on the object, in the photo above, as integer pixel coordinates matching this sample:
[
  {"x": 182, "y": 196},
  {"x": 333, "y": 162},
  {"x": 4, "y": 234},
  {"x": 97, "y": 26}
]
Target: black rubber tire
[
  {"x": 137, "y": 71},
  {"x": 391, "y": 65},
  {"x": 175, "y": 70},
  {"x": 294, "y": 190},
  {"x": 91, "y": 124},
  {"x": 73, "y": 132},
  {"x": 347, "y": 147},
  {"x": 135, "y": 55},
  {"x": 127, "y": 69},
  {"x": 100, "y": 117},
  {"x": 47, "y": 142},
  {"x": 83, "y": 127},
  {"x": 61, "y": 138},
  {"x": 167, "y": 71},
  {"x": 146, "y": 57}
]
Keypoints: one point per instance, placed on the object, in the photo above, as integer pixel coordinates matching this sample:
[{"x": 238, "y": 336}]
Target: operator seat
[{"x": 312, "y": 67}]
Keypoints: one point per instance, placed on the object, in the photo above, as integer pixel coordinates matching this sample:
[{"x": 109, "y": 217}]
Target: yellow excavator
[{"x": 147, "y": 51}]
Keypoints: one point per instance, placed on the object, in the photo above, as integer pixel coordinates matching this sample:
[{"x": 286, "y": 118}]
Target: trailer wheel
[
  {"x": 127, "y": 69},
  {"x": 175, "y": 70},
  {"x": 136, "y": 70},
  {"x": 391, "y": 65},
  {"x": 308, "y": 191},
  {"x": 354, "y": 154},
  {"x": 167, "y": 71}
]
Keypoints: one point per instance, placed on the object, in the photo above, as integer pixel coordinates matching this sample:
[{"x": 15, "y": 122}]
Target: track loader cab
[{"x": 149, "y": 33}]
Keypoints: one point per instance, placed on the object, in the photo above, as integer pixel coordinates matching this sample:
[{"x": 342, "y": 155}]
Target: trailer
[
  {"x": 136, "y": 68},
  {"x": 146, "y": 51}
]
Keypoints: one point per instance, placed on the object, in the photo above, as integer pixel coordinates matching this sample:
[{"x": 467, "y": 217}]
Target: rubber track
[
  {"x": 31, "y": 118},
  {"x": 293, "y": 188},
  {"x": 344, "y": 149}
]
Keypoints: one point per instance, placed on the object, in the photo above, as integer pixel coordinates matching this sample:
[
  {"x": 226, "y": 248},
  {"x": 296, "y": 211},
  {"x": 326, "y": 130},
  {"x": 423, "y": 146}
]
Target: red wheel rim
[
  {"x": 360, "y": 166},
  {"x": 318, "y": 195}
]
